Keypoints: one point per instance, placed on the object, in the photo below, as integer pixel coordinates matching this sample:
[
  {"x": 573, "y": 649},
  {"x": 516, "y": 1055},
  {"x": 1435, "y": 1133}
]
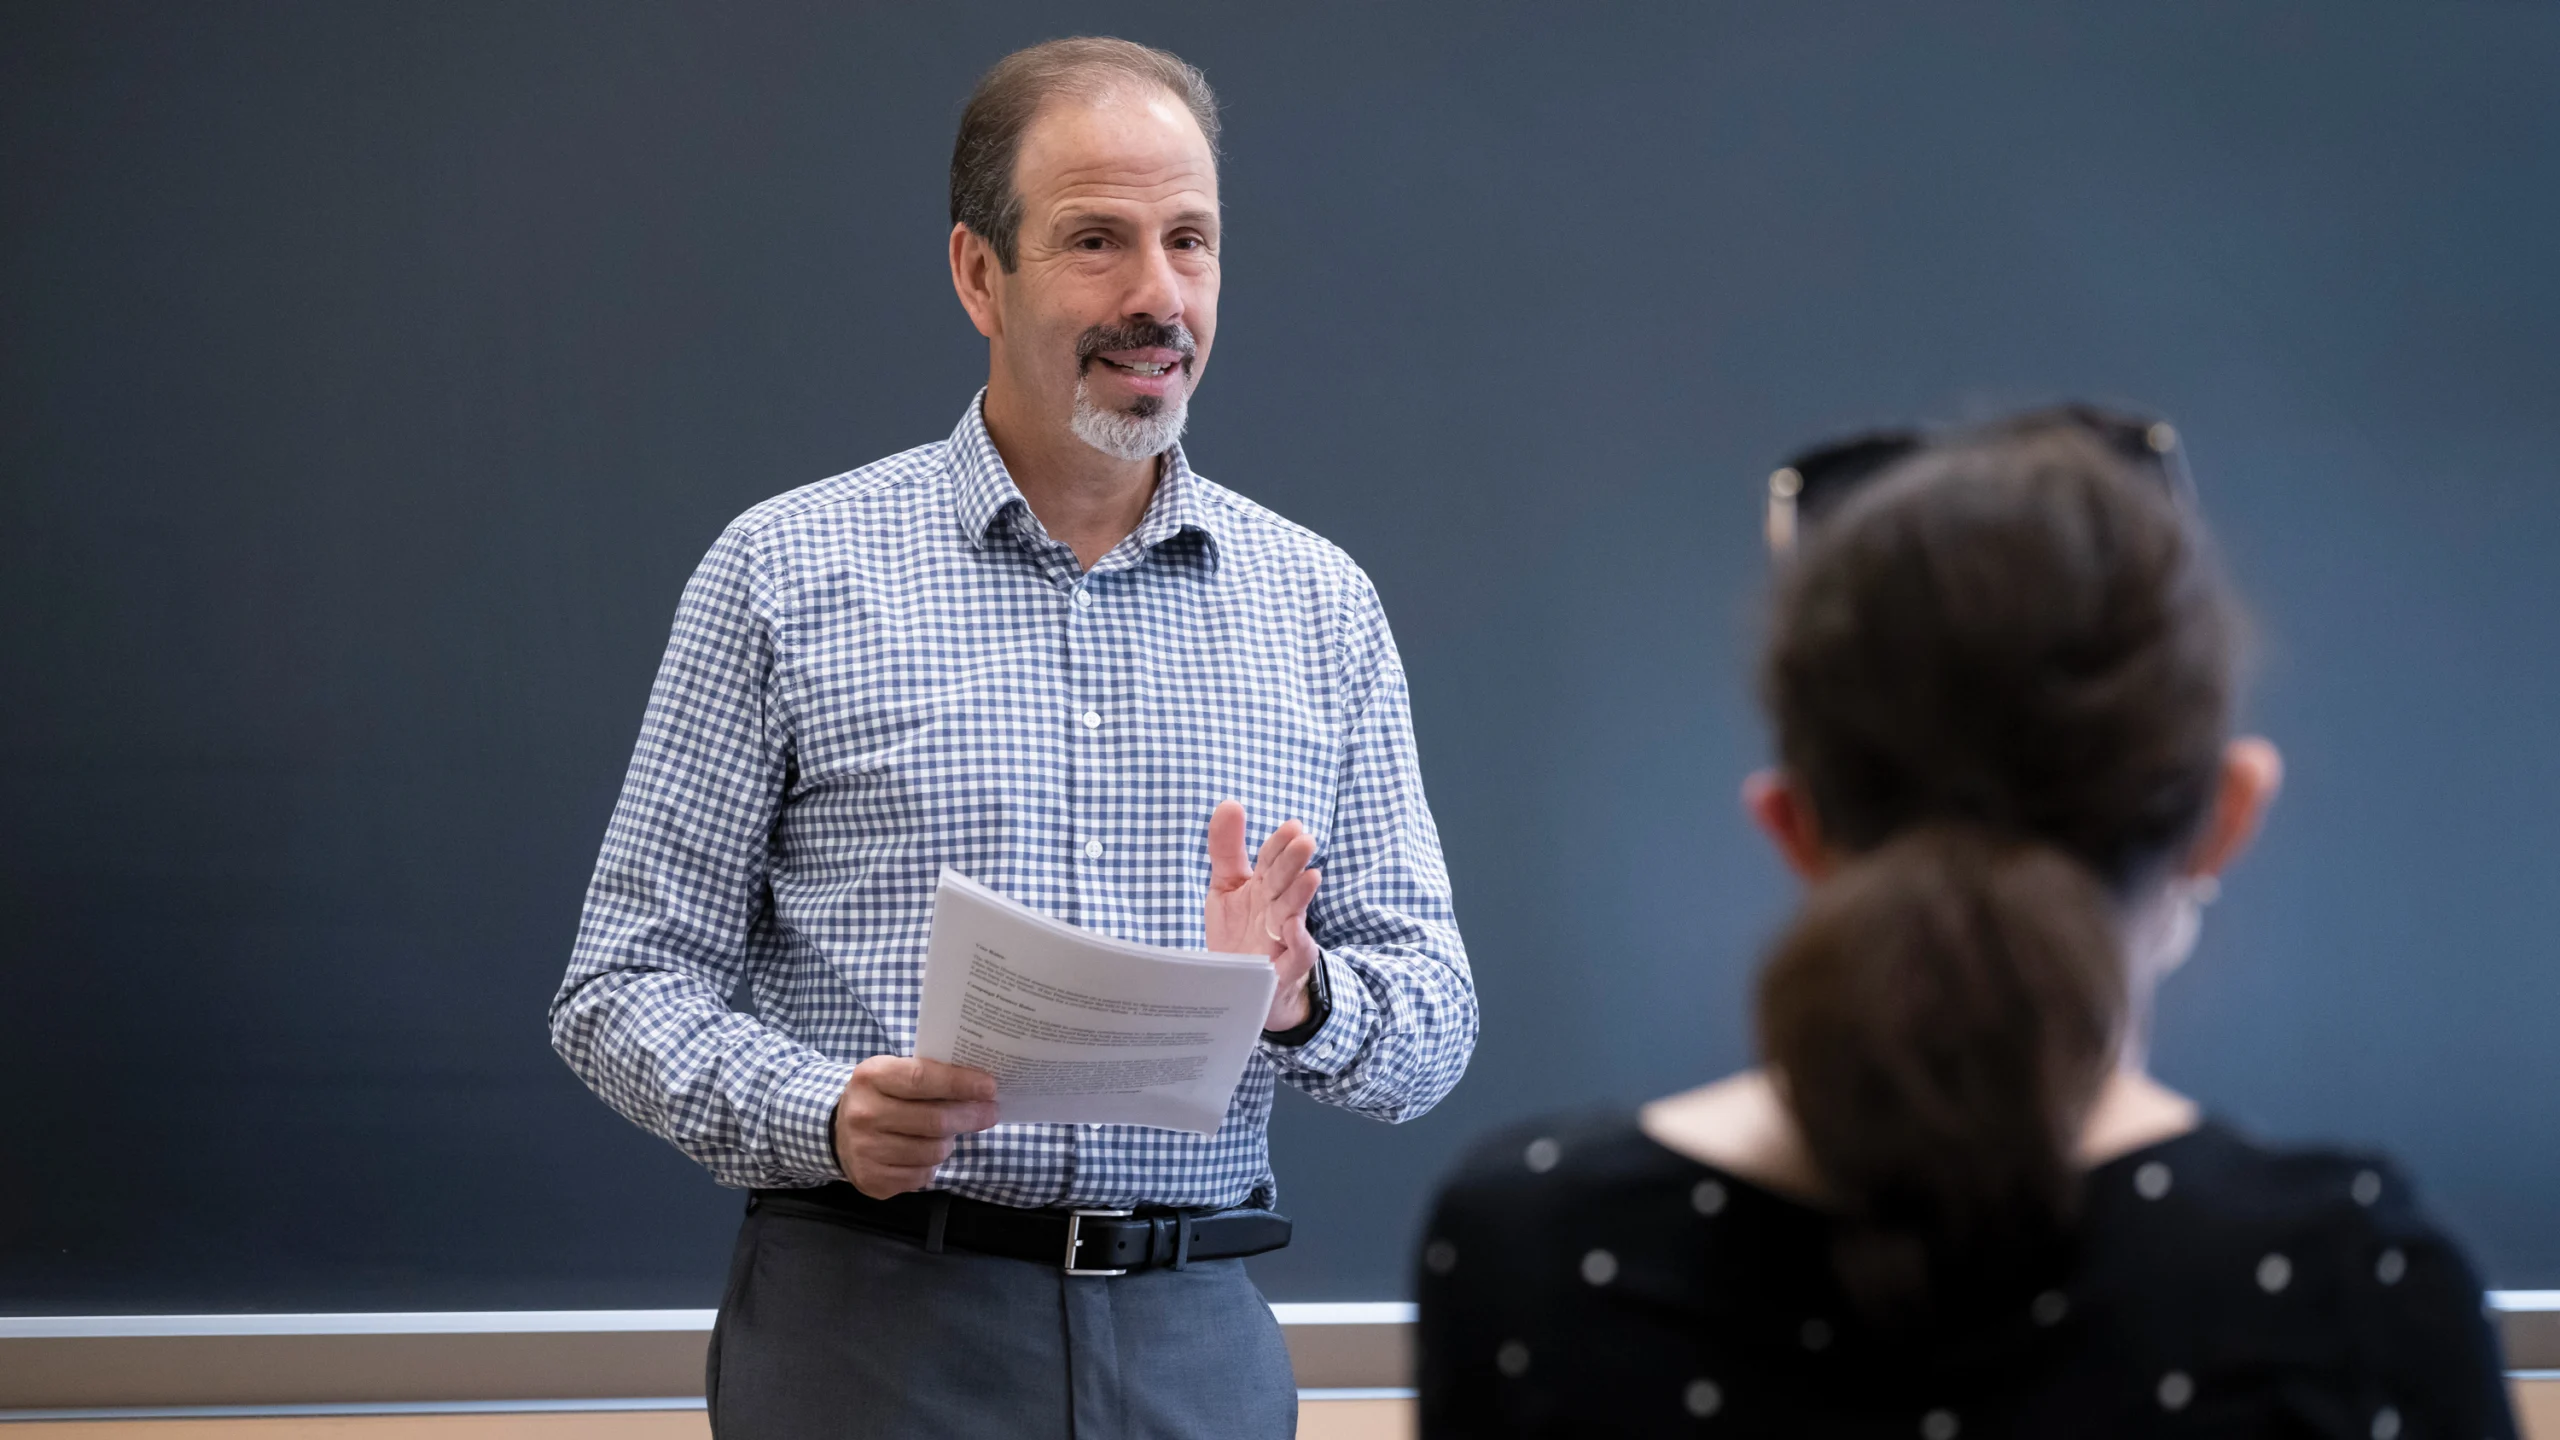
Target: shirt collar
[{"x": 984, "y": 492}]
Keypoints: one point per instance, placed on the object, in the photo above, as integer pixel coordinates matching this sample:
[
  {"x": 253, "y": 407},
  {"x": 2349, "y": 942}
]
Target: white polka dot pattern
[
  {"x": 2391, "y": 1266},
  {"x": 1940, "y": 1425},
  {"x": 1440, "y": 1257},
  {"x": 1512, "y": 1359},
  {"x": 882, "y": 674},
  {"x": 1599, "y": 1267},
  {"x": 2152, "y": 1180},
  {"x": 2386, "y": 1424},
  {"x": 2049, "y": 1308},
  {"x": 2175, "y": 1390},
  {"x": 2366, "y": 1187},
  {"x": 1702, "y": 1398},
  {"x": 1707, "y": 1197},
  {"x": 2274, "y": 1273},
  {"x": 1816, "y": 1334},
  {"x": 1541, "y": 1155}
]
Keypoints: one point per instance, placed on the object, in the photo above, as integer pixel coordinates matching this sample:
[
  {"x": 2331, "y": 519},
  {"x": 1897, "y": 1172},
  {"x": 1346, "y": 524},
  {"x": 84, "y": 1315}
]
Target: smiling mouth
[{"x": 1139, "y": 367}]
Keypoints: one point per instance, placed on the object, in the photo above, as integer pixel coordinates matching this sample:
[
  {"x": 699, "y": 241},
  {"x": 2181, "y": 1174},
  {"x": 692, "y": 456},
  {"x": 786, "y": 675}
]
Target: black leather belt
[{"x": 1078, "y": 1241}]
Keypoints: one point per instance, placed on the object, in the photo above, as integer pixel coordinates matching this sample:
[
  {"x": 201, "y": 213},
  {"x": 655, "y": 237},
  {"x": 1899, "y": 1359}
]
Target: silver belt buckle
[{"x": 1075, "y": 1237}]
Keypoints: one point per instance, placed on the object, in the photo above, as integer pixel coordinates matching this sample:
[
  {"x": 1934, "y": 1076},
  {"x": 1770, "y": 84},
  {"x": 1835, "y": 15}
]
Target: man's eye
[{"x": 1090, "y": 242}]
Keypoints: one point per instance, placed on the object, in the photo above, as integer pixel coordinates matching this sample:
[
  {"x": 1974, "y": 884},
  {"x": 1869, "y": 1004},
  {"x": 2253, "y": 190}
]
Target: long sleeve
[
  {"x": 681, "y": 886},
  {"x": 1404, "y": 1003}
]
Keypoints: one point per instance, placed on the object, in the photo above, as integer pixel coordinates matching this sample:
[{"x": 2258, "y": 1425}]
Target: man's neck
[{"x": 1086, "y": 500}]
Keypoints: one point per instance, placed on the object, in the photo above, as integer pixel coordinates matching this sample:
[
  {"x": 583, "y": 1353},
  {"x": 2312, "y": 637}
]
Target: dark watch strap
[{"x": 1319, "y": 1009}]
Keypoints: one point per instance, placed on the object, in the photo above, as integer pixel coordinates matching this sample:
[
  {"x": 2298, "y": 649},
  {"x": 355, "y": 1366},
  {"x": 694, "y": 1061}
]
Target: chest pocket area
[{"x": 1250, "y": 723}]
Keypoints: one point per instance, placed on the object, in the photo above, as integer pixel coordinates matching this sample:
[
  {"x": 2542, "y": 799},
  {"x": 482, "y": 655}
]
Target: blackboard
[{"x": 371, "y": 375}]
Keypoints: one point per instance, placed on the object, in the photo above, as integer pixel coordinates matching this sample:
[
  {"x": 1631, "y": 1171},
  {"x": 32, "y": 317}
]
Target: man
[{"x": 1049, "y": 654}]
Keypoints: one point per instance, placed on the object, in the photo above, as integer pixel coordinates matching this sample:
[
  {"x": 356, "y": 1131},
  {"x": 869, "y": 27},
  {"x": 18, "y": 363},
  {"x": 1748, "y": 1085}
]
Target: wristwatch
[{"x": 1319, "y": 1009}]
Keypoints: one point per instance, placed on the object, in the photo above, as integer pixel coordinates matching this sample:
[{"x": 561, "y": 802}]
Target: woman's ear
[
  {"x": 1780, "y": 810},
  {"x": 2252, "y": 773}
]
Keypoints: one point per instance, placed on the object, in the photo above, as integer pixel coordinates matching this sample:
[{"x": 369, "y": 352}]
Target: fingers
[
  {"x": 882, "y": 1166},
  {"x": 1284, "y": 859},
  {"x": 1228, "y": 866},
  {"x": 902, "y": 1152},
  {"x": 900, "y": 1116},
  {"x": 906, "y": 1077},
  {"x": 1293, "y": 902},
  {"x": 928, "y": 1119}
]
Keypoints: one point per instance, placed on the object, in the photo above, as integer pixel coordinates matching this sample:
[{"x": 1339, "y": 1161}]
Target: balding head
[{"x": 985, "y": 193}]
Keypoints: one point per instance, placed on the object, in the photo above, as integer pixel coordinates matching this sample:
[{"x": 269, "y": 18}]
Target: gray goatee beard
[{"x": 1142, "y": 432}]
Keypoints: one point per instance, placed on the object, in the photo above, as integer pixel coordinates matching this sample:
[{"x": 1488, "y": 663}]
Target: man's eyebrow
[{"x": 1105, "y": 220}]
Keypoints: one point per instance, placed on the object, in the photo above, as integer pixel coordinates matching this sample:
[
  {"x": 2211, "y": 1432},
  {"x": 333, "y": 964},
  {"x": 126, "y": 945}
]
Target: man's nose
[{"x": 1156, "y": 291}]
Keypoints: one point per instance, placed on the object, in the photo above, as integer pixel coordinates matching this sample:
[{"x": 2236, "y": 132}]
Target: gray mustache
[{"x": 1137, "y": 335}]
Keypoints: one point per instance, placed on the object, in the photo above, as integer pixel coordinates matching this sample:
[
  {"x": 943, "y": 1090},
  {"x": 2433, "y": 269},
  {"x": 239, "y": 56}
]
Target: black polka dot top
[{"x": 1578, "y": 1279}]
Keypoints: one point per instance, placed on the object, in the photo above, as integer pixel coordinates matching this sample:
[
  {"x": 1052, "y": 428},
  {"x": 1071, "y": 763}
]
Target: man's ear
[
  {"x": 973, "y": 275},
  {"x": 2252, "y": 773},
  {"x": 1782, "y": 813}
]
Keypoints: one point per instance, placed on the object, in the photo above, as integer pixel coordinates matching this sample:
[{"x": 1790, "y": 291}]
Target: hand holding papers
[{"x": 1082, "y": 1028}]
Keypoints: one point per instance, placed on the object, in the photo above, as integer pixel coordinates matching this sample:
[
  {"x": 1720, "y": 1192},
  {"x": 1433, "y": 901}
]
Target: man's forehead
[{"x": 1135, "y": 145}]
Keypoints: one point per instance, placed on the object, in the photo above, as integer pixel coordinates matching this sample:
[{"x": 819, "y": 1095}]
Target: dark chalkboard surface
[{"x": 372, "y": 375}]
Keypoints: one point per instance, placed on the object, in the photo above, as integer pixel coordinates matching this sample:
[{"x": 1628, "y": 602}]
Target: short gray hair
[{"x": 983, "y": 195}]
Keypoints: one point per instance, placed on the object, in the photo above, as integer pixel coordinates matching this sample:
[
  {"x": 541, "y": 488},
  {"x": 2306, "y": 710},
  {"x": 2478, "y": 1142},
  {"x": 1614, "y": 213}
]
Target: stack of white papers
[{"x": 1080, "y": 1028}]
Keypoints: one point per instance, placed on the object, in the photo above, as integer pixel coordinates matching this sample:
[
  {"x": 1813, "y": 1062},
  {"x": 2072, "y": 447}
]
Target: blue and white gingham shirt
[{"x": 898, "y": 669}]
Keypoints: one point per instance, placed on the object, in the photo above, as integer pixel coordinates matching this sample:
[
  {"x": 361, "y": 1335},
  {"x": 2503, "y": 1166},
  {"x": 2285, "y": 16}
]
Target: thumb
[{"x": 1229, "y": 866}]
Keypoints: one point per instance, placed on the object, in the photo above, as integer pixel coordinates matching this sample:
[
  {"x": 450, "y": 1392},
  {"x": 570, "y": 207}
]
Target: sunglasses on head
[{"x": 1816, "y": 480}]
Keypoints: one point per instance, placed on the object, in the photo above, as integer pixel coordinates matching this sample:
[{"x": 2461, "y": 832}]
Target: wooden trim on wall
[
  {"x": 158, "y": 1362},
  {"x": 242, "y": 1363}
]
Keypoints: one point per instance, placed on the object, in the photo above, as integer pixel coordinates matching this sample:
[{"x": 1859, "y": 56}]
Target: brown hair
[
  {"x": 983, "y": 195},
  {"x": 2001, "y": 677}
]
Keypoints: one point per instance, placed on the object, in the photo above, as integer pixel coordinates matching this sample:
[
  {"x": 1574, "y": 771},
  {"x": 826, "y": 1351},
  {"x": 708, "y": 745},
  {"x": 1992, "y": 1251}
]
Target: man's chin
[{"x": 1130, "y": 432}]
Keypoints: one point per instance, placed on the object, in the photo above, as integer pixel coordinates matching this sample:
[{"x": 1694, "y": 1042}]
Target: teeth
[{"x": 1142, "y": 368}]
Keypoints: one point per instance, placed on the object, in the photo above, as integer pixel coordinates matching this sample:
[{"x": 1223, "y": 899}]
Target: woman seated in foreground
[{"x": 1951, "y": 1203}]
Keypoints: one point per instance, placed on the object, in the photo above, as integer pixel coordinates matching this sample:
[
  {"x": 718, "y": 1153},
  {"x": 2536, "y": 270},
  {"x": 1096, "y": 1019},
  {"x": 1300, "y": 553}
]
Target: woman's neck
[{"x": 1740, "y": 1126}]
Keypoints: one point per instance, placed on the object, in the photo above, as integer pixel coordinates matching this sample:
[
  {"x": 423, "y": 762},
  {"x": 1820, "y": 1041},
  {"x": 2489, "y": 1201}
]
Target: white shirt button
[
  {"x": 1092, "y": 720},
  {"x": 1093, "y": 849},
  {"x": 1084, "y": 599}
]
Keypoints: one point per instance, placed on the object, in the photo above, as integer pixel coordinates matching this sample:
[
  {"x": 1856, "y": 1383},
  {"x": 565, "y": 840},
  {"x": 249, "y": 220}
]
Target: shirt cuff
[
  {"x": 802, "y": 1121},
  {"x": 1344, "y": 1033}
]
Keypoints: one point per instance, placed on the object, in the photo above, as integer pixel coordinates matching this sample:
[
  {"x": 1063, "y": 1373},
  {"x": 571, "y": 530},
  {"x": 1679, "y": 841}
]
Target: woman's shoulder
[
  {"x": 2219, "y": 1170},
  {"x": 1568, "y": 1159},
  {"x": 1569, "y": 1183},
  {"x": 2237, "y": 1234}
]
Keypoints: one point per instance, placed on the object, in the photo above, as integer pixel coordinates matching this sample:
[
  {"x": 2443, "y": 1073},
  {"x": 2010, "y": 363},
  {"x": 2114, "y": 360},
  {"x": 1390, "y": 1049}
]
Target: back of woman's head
[{"x": 2001, "y": 678}]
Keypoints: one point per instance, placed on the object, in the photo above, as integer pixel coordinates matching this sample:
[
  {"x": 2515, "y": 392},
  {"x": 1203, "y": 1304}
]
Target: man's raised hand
[
  {"x": 1258, "y": 904},
  {"x": 899, "y": 1116}
]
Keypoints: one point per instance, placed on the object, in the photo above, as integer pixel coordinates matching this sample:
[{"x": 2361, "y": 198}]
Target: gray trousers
[{"x": 830, "y": 1330}]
